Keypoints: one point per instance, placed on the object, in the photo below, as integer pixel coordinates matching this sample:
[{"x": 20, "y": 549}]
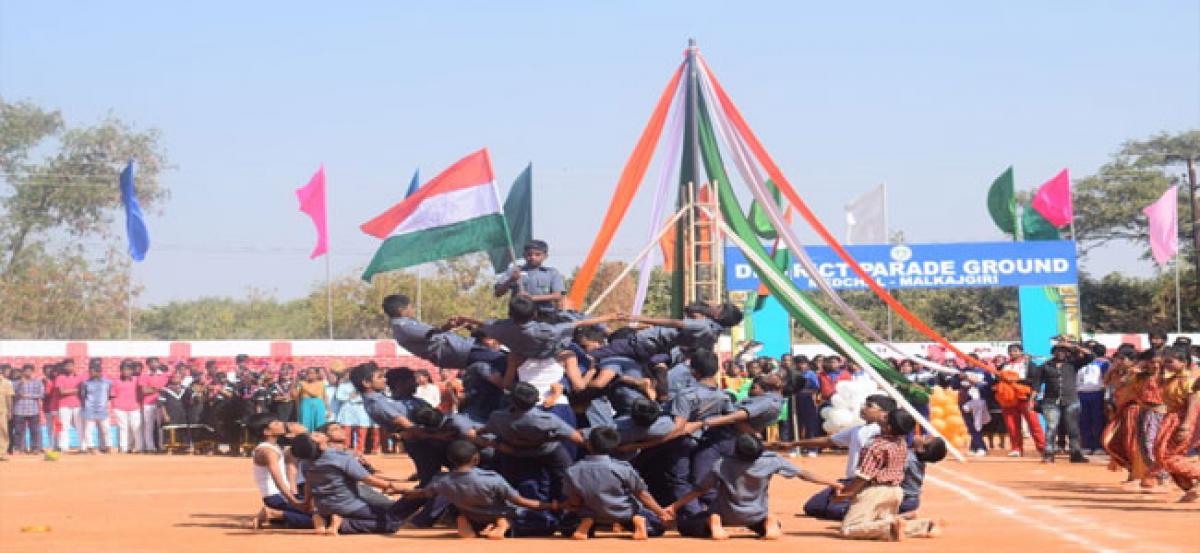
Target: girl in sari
[
  {"x": 1130, "y": 438},
  {"x": 1181, "y": 403}
]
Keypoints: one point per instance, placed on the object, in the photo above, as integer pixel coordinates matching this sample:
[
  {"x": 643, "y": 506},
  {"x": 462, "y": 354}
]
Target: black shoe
[{"x": 1078, "y": 457}]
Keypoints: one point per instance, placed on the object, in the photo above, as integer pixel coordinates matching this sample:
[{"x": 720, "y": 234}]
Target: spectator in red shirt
[
  {"x": 832, "y": 372},
  {"x": 152, "y": 379},
  {"x": 66, "y": 385}
]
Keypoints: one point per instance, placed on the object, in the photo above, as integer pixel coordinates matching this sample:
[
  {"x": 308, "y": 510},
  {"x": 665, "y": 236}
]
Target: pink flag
[
  {"x": 1164, "y": 225},
  {"x": 1053, "y": 200},
  {"x": 312, "y": 202}
]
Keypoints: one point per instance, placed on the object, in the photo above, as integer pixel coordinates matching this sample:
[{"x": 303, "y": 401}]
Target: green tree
[
  {"x": 1108, "y": 204},
  {"x": 57, "y": 214}
]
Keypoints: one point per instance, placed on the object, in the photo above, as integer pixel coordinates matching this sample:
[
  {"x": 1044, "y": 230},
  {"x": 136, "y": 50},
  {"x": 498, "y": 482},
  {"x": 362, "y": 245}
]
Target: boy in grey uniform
[
  {"x": 536, "y": 460},
  {"x": 758, "y": 410},
  {"x": 700, "y": 330},
  {"x": 487, "y": 505},
  {"x": 698, "y": 450},
  {"x": 542, "y": 284},
  {"x": 332, "y": 477},
  {"x": 438, "y": 345},
  {"x": 609, "y": 491},
  {"x": 741, "y": 483}
]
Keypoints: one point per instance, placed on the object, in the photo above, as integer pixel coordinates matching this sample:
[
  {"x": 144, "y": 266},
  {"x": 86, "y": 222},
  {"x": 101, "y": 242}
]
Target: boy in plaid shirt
[{"x": 875, "y": 493}]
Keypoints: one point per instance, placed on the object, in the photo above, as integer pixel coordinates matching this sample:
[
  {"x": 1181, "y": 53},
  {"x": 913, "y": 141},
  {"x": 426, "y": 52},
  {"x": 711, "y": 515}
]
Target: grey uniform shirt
[
  {"x": 444, "y": 349},
  {"x": 632, "y": 433},
  {"x": 532, "y": 340},
  {"x": 742, "y": 486},
  {"x": 333, "y": 482},
  {"x": 763, "y": 410},
  {"x": 453, "y": 427},
  {"x": 696, "y": 333},
  {"x": 607, "y": 487},
  {"x": 383, "y": 410},
  {"x": 679, "y": 378},
  {"x": 700, "y": 402},
  {"x": 531, "y": 434},
  {"x": 535, "y": 281},
  {"x": 480, "y": 495}
]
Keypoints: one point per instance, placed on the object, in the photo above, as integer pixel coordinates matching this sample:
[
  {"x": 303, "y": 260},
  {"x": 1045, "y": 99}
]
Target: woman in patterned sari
[
  {"x": 1181, "y": 401},
  {"x": 1130, "y": 438}
]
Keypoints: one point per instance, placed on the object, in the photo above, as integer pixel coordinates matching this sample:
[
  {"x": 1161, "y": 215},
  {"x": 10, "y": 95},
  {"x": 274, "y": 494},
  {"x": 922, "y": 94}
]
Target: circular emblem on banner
[{"x": 901, "y": 253}]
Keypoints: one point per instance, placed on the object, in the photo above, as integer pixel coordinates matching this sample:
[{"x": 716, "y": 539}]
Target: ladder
[{"x": 703, "y": 251}]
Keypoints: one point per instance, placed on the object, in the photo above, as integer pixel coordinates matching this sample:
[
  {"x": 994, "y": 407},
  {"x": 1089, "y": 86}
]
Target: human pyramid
[{"x": 659, "y": 445}]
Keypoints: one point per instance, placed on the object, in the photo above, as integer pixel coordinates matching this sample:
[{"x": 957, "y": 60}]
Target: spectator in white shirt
[{"x": 426, "y": 389}]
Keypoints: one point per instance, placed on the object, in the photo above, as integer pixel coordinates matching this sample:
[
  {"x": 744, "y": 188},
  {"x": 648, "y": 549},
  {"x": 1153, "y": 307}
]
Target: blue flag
[
  {"x": 135, "y": 222},
  {"x": 415, "y": 184}
]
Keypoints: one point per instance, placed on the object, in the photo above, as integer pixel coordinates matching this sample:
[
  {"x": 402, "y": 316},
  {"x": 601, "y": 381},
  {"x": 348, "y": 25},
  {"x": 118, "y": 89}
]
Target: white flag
[{"x": 866, "y": 221}]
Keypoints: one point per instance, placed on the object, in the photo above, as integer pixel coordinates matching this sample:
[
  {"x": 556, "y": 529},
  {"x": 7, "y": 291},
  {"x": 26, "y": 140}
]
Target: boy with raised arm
[
  {"x": 535, "y": 347},
  {"x": 535, "y": 280}
]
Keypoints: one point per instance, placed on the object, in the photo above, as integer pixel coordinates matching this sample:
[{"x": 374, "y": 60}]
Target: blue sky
[{"x": 933, "y": 98}]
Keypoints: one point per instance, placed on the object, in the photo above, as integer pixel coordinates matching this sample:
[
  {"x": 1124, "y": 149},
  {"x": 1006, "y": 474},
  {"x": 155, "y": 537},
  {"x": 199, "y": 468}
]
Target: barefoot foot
[
  {"x": 498, "y": 530},
  {"x": 584, "y": 528},
  {"x": 465, "y": 530},
  {"x": 716, "y": 529},
  {"x": 639, "y": 528},
  {"x": 774, "y": 528}
]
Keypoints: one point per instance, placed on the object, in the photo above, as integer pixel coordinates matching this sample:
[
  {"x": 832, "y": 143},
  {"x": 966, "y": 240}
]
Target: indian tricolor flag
[{"x": 455, "y": 213}]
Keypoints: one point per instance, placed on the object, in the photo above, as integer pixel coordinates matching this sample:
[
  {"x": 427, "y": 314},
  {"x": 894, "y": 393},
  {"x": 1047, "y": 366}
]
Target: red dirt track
[{"x": 182, "y": 503}]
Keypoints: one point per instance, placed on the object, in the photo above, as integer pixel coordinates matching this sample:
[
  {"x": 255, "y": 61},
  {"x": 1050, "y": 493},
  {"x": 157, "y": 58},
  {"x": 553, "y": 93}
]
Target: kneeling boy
[
  {"x": 486, "y": 503},
  {"x": 609, "y": 491},
  {"x": 741, "y": 482}
]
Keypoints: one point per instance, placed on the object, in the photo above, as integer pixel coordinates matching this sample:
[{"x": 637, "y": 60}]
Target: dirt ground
[{"x": 182, "y": 503}]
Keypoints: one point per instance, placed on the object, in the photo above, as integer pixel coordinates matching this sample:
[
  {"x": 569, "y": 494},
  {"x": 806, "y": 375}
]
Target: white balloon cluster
[{"x": 845, "y": 405}]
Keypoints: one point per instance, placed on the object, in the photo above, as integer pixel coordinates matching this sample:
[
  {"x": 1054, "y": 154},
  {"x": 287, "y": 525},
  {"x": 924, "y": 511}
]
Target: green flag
[
  {"x": 518, "y": 210},
  {"x": 1036, "y": 227},
  {"x": 758, "y": 215},
  {"x": 1002, "y": 203}
]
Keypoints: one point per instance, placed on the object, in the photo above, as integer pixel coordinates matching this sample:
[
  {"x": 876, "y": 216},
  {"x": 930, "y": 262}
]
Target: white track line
[
  {"x": 1033, "y": 504},
  {"x": 1067, "y": 519},
  {"x": 1016, "y": 514}
]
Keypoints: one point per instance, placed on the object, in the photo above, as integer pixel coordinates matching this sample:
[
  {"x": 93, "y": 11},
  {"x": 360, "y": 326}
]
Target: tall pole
[
  {"x": 887, "y": 239},
  {"x": 129, "y": 303},
  {"x": 1178, "y": 305},
  {"x": 1078, "y": 293},
  {"x": 1194, "y": 189},
  {"x": 328, "y": 295}
]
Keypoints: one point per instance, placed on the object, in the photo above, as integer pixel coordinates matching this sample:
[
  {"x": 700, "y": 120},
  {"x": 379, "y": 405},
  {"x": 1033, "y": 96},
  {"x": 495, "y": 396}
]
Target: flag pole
[
  {"x": 887, "y": 239},
  {"x": 504, "y": 219},
  {"x": 1078, "y": 294},
  {"x": 328, "y": 295},
  {"x": 129, "y": 300},
  {"x": 1178, "y": 305}
]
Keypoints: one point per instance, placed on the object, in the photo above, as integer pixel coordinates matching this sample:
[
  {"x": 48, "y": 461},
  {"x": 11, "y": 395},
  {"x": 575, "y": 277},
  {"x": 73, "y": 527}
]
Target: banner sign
[{"x": 955, "y": 265}]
